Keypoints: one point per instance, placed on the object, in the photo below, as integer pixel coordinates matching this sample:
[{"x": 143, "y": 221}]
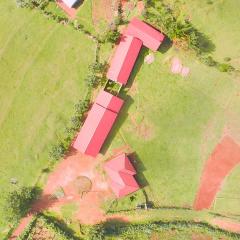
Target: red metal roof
[
  {"x": 107, "y": 100},
  {"x": 150, "y": 37},
  {"x": 124, "y": 59},
  {"x": 121, "y": 173},
  {"x": 95, "y": 130},
  {"x": 121, "y": 163},
  {"x": 130, "y": 186}
]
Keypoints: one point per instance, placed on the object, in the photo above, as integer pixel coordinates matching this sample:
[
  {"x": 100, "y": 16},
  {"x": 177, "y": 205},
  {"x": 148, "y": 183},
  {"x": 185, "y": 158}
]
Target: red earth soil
[
  {"x": 224, "y": 158},
  {"x": 89, "y": 205},
  {"x": 71, "y": 12},
  {"x": 227, "y": 225}
]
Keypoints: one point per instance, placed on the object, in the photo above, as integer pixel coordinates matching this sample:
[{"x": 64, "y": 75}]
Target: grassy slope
[
  {"x": 223, "y": 29},
  {"x": 185, "y": 118},
  {"x": 42, "y": 67}
]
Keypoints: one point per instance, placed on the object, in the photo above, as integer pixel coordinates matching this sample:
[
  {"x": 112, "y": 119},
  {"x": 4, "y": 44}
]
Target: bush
[
  {"x": 57, "y": 151},
  {"x": 96, "y": 232},
  {"x": 224, "y": 67},
  {"x": 208, "y": 60}
]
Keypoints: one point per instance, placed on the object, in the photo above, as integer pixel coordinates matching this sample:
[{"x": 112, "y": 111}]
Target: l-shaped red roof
[
  {"x": 124, "y": 59},
  {"x": 150, "y": 37},
  {"x": 121, "y": 173}
]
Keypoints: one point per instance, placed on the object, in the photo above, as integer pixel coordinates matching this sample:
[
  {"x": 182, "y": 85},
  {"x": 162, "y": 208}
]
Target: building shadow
[
  {"x": 139, "y": 62},
  {"x": 140, "y": 168},
  {"x": 166, "y": 45},
  {"x": 78, "y": 4}
]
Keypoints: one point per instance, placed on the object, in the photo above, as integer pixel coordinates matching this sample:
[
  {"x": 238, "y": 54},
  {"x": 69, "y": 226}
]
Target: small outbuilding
[
  {"x": 150, "y": 37},
  {"x": 121, "y": 175},
  {"x": 124, "y": 59}
]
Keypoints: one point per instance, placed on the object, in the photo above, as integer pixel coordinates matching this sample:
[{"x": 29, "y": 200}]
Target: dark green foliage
[
  {"x": 111, "y": 36},
  {"x": 208, "y": 60},
  {"x": 17, "y": 203},
  {"x": 178, "y": 28},
  {"x": 224, "y": 67},
  {"x": 96, "y": 232},
  {"x": 32, "y": 3},
  {"x": 58, "y": 150}
]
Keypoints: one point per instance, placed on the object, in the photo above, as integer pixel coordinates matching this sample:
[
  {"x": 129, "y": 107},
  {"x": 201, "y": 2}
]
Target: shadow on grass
[
  {"x": 113, "y": 226},
  {"x": 140, "y": 168},
  {"x": 78, "y": 4},
  {"x": 166, "y": 45}
]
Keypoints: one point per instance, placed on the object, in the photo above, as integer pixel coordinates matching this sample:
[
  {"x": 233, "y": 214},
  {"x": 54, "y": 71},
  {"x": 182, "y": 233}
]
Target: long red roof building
[
  {"x": 98, "y": 124},
  {"x": 150, "y": 37},
  {"x": 121, "y": 174},
  {"x": 124, "y": 59}
]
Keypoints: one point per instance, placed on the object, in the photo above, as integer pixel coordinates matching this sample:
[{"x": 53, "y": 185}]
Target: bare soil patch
[
  {"x": 104, "y": 10},
  {"x": 224, "y": 158},
  {"x": 227, "y": 225}
]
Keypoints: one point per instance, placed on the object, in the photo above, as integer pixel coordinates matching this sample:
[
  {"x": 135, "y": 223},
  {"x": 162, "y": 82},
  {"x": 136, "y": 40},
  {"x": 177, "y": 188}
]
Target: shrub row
[{"x": 131, "y": 231}]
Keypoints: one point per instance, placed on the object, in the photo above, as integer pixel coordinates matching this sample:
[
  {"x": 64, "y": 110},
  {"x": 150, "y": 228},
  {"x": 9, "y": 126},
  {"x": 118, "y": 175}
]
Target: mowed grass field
[
  {"x": 174, "y": 123},
  {"x": 42, "y": 68}
]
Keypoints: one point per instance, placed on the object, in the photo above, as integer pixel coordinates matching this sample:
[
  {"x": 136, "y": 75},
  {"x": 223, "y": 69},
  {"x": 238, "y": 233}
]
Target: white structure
[{"x": 70, "y": 3}]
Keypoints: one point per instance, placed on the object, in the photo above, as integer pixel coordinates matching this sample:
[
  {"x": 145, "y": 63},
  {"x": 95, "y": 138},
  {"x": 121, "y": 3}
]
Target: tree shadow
[
  {"x": 43, "y": 203},
  {"x": 204, "y": 42},
  {"x": 61, "y": 225},
  {"x": 113, "y": 226}
]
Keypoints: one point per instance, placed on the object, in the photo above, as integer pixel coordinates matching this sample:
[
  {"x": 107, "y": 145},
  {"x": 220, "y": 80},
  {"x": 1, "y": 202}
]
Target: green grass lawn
[
  {"x": 174, "y": 123},
  {"x": 42, "y": 66}
]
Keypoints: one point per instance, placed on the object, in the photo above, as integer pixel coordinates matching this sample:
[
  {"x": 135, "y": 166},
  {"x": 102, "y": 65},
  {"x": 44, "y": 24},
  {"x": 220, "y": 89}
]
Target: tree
[{"x": 16, "y": 203}]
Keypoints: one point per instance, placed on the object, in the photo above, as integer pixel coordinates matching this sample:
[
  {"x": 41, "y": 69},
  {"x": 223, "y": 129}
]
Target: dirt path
[
  {"x": 225, "y": 157},
  {"x": 227, "y": 225},
  {"x": 104, "y": 10}
]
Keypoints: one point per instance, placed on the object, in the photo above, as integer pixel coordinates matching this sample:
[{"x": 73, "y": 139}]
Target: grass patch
[{"x": 43, "y": 65}]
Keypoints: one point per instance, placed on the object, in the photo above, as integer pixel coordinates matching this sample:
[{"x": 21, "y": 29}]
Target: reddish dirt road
[
  {"x": 227, "y": 225},
  {"x": 224, "y": 158}
]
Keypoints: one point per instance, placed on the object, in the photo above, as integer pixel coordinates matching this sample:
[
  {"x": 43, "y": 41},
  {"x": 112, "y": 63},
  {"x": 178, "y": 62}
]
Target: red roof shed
[
  {"x": 95, "y": 130},
  {"x": 124, "y": 59},
  {"x": 150, "y": 37},
  {"x": 109, "y": 101},
  {"x": 121, "y": 174}
]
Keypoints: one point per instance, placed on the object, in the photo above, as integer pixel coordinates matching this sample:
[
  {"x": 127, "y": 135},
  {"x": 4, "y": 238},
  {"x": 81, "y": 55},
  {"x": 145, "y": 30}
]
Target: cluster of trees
[
  {"x": 16, "y": 203},
  {"x": 181, "y": 31}
]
